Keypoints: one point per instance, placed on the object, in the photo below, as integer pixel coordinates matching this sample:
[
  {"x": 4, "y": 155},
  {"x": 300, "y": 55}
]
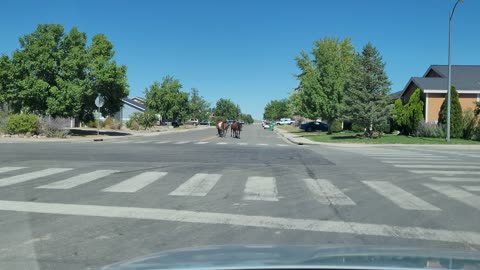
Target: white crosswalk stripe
[
  {"x": 443, "y": 166},
  {"x": 448, "y": 173},
  {"x": 282, "y": 144},
  {"x": 455, "y": 179},
  {"x": 9, "y": 169},
  {"x": 121, "y": 142},
  {"x": 182, "y": 142},
  {"x": 472, "y": 188},
  {"x": 397, "y": 155},
  {"x": 201, "y": 142},
  {"x": 262, "y": 144},
  {"x": 137, "y": 142},
  {"x": 221, "y": 143},
  {"x": 78, "y": 180},
  {"x": 242, "y": 143},
  {"x": 198, "y": 185},
  {"x": 400, "y": 197},
  {"x": 326, "y": 193},
  {"x": 457, "y": 194},
  {"x": 433, "y": 158},
  {"x": 136, "y": 183},
  {"x": 30, "y": 176},
  {"x": 430, "y": 162},
  {"x": 261, "y": 189},
  {"x": 162, "y": 142}
]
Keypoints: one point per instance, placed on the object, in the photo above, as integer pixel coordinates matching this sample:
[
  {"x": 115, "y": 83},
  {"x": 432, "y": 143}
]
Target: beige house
[{"x": 465, "y": 78}]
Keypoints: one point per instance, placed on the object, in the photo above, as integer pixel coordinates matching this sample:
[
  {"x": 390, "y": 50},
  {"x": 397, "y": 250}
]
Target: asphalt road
[{"x": 83, "y": 205}]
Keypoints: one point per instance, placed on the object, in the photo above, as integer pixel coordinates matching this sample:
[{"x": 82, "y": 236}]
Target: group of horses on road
[{"x": 235, "y": 128}]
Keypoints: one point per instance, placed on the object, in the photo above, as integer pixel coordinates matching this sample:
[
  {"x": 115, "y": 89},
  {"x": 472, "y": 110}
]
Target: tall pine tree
[
  {"x": 367, "y": 90},
  {"x": 456, "y": 115}
]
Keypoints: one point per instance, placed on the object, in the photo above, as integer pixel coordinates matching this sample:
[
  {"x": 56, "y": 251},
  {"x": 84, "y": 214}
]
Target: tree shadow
[{"x": 84, "y": 132}]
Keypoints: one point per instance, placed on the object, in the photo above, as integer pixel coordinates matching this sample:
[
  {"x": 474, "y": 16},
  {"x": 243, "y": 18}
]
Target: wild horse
[
  {"x": 222, "y": 127},
  {"x": 235, "y": 129}
]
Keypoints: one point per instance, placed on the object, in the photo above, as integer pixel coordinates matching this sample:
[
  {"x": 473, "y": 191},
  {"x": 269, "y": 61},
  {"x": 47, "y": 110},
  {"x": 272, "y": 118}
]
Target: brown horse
[
  {"x": 235, "y": 129},
  {"x": 222, "y": 128}
]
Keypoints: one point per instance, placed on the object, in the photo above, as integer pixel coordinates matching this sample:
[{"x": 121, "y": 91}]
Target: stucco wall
[{"x": 467, "y": 101}]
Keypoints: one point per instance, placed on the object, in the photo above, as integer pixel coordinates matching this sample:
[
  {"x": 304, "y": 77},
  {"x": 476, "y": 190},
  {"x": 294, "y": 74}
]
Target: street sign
[{"x": 99, "y": 101}]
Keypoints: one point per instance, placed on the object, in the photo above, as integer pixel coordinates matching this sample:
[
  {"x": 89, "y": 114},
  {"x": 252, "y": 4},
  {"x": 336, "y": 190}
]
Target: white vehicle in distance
[{"x": 285, "y": 121}]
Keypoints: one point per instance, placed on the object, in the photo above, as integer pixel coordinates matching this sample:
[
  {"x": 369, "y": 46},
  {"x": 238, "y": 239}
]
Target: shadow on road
[{"x": 84, "y": 132}]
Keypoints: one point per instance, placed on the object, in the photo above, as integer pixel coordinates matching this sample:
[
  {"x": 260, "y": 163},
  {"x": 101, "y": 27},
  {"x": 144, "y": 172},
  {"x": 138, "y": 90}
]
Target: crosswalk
[
  {"x": 184, "y": 142},
  {"x": 259, "y": 188},
  {"x": 447, "y": 171}
]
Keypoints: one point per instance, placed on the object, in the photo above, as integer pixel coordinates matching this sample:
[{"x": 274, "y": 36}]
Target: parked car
[
  {"x": 177, "y": 123},
  {"x": 285, "y": 121},
  {"x": 192, "y": 121},
  {"x": 314, "y": 126},
  {"x": 205, "y": 123}
]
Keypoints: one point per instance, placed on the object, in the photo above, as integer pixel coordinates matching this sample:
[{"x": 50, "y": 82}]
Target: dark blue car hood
[{"x": 303, "y": 257}]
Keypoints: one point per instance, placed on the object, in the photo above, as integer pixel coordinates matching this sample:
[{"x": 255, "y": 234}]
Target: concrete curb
[
  {"x": 95, "y": 138},
  {"x": 304, "y": 141}
]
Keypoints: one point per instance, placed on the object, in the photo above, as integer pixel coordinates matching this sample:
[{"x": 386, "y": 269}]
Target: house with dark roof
[
  {"x": 129, "y": 107},
  {"x": 433, "y": 84}
]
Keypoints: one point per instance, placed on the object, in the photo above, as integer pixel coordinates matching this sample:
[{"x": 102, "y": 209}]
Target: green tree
[
  {"x": 72, "y": 82},
  {"x": 413, "y": 112},
  {"x": 6, "y": 78},
  {"x": 398, "y": 115},
  {"x": 198, "y": 106},
  {"x": 57, "y": 74},
  {"x": 366, "y": 95},
  {"x": 167, "y": 99},
  {"x": 105, "y": 76},
  {"x": 247, "y": 118},
  {"x": 456, "y": 115},
  {"x": 276, "y": 109},
  {"x": 225, "y": 108},
  {"x": 323, "y": 78}
]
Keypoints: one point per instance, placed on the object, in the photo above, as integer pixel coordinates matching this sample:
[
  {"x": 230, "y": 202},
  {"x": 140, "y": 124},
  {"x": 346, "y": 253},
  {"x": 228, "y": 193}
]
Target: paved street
[{"x": 82, "y": 205}]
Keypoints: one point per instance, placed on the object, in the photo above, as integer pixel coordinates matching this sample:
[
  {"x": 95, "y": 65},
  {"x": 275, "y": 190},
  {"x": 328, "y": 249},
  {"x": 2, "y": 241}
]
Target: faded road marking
[
  {"x": 9, "y": 169},
  {"x": 136, "y": 183},
  {"x": 78, "y": 179},
  {"x": 276, "y": 223},
  {"x": 456, "y": 194},
  {"x": 399, "y": 196},
  {"x": 261, "y": 189},
  {"x": 326, "y": 193},
  {"x": 198, "y": 185},
  {"x": 30, "y": 176}
]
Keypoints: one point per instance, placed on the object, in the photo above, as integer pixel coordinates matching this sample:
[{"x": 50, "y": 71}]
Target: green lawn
[{"x": 350, "y": 137}]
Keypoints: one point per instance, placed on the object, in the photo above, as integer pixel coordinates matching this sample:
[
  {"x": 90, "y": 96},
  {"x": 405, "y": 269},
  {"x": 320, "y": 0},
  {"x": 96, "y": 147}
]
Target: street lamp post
[{"x": 449, "y": 86}]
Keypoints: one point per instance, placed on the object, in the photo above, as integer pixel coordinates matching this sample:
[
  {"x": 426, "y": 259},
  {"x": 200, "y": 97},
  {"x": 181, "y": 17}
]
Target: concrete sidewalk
[
  {"x": 300, "y": 140},
  {"x": 121, "y": 134}
]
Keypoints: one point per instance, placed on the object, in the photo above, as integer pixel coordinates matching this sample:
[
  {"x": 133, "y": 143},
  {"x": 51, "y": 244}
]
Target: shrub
[
  {"x": 54, "y": 127},
  {"x": 357, "y": 128},
  {"x": 135, "y": 117},
  {"x": 134, "y": 125},
  {"x": 22, "y": 124},
  {"x": 430, "y": 130},
  {"x": 476, "y": 134},
  {"x": 456, "y": 117},
  {"x": 469, "y": 124},
  {"x": 93, "y": 123},
  {"x": 336, "y": 126},
  {"x": 108, "y": 123},
  {"x": 148, "y": 119},
  {"x": 3, "y": 121}
]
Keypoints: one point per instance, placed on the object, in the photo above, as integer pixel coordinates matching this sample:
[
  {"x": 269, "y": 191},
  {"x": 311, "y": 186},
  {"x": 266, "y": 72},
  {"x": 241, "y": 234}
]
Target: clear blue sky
[{"x": 244, "y": 50}]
